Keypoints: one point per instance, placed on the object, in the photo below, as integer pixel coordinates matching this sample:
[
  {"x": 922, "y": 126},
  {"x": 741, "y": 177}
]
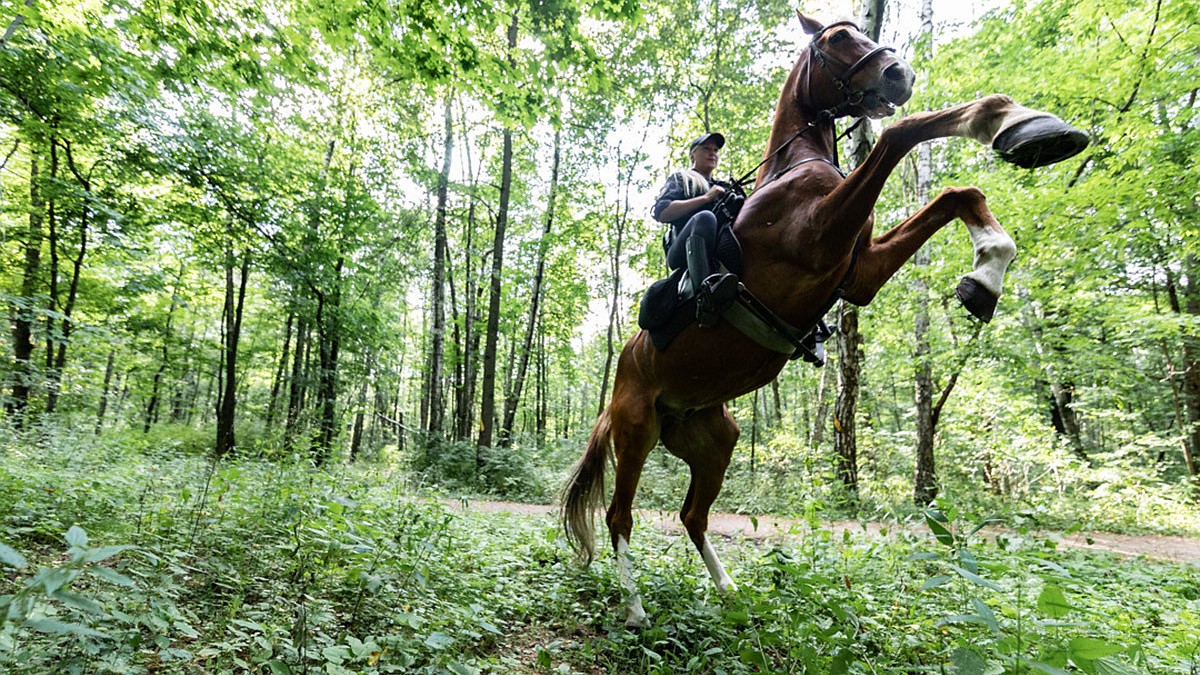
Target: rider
[{"x": 686, "y": 202}]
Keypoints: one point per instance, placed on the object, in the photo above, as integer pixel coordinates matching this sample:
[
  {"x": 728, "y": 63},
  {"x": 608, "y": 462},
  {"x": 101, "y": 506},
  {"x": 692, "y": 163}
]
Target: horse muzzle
[{"x": 893, "y": 89}]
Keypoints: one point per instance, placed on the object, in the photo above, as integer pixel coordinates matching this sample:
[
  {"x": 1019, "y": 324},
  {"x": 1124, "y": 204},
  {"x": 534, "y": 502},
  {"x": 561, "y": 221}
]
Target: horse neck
[{"x": 809, "y": 138}]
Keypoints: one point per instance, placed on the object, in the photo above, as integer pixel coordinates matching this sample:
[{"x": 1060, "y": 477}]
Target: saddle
[{"x": 669, "y": 305}]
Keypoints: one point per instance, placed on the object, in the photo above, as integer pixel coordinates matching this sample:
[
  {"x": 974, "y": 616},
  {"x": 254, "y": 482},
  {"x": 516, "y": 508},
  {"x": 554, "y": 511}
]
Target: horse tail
[{"x": 584, "y": 492}]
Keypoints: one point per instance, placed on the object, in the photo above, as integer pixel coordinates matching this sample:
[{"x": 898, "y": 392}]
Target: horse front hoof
[
  {"x": 979, "y": 301},
  {"x": 1039, "y": 141}
]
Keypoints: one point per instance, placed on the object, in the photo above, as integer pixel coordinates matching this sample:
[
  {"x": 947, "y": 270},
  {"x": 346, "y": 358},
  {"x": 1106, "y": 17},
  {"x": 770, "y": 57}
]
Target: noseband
[{"x": 850, "y": 96}]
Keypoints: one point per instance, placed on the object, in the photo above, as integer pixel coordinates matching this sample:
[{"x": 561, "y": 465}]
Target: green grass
[{"x": 275, "y": 567}]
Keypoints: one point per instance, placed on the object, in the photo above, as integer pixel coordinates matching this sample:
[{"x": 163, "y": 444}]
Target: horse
[{"x": 806, "y": 233}]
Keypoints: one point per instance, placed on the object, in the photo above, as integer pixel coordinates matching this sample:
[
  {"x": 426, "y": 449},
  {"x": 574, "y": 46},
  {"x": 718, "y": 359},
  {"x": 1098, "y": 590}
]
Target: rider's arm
[{"x": 670, "y": 205}]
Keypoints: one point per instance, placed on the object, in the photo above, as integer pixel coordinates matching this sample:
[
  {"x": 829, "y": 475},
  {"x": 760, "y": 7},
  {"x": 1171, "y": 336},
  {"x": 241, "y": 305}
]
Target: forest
[{"x": 290, "y": 286}]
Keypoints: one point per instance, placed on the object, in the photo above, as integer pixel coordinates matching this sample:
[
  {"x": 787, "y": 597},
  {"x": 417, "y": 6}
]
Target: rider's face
[{"x": 705, "y": 158}]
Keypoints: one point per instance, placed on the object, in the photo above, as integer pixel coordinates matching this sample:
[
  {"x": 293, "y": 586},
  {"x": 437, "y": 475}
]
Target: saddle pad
[{"x": 663, "y": 314}]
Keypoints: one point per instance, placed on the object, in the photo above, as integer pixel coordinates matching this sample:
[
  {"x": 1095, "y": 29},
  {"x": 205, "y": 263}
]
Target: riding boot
[{"x": 714, "y": 292}]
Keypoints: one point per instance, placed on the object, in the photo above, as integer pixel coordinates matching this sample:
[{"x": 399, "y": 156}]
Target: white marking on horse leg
[
  {"x": 635, "y": 615},
  {"x": 994, "y": 250},
  {"x": 716, "y": 570}
]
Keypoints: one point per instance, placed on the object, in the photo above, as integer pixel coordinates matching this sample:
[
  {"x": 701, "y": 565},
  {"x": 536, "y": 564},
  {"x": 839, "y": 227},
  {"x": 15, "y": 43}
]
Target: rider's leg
[{"x": 695, "y": 247}]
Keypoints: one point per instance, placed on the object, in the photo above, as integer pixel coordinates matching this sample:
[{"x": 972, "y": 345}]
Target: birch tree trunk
[
  {"x": 925, "y": 473},
  {"x": 849, "y": 339}
]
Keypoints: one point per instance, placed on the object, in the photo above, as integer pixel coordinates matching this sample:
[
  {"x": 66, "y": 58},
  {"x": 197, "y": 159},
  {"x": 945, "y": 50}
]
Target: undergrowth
[{"x": 120, "y": 557}]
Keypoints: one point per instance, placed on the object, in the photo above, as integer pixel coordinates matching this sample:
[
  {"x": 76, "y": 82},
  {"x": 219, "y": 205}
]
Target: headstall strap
[{"x": 851, "y": 97}]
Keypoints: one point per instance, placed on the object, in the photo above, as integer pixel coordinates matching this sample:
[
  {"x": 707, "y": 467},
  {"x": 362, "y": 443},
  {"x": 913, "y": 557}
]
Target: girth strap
[{"x": 757, "y": 322}]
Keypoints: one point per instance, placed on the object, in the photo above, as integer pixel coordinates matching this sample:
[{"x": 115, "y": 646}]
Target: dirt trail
[{"x": 775, "y": 528}]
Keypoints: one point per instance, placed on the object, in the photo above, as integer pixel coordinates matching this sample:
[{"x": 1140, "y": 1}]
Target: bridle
[{"x": 850, "y": 96}]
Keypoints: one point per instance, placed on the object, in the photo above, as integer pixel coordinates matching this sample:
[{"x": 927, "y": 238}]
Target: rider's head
[{"x": 705, "y": 152}]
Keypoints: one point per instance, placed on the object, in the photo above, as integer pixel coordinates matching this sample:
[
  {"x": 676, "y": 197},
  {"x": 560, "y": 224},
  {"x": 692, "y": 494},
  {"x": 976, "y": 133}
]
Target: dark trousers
[{"x": 703, "y": 224}]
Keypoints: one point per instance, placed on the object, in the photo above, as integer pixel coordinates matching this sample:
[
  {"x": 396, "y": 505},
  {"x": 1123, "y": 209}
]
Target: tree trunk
[
  {"x": 487, "y": 406},
  {"x": 620, "y": 221},
  {"x": 277, "y": 381},
  {"x": 22, "y": 315},
  {"x": 329, "y": 328},
  {"x": 925, "y": 487},
  {"x": 356, "y": 436},
  {"x": 52, "y": 246},
  {"x": 829, "y": 377},
  {"x": 52, "y": 305},
  {"x": 227, "y": 401},
  {"x": 152, "y": 407},
  {"x": 518, "y": 380},
  {"x": 849, "y": 339},
  {"x": 435, "y": 400},
  {"x": 845, "y": 439},
  {"x": 1191, "y": 364},
  {"x": 467, "y": 344},
  {"x": 1058, "y": 394},
  {"x": 108, "y": 373},
  {"x": 297, "y": 380}
]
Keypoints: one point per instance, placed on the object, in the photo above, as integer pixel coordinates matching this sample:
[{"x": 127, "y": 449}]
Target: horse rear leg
[
  {"x": 994, "y": 250},
  {"x": 634, "y": 433},
  {"x": 705, "y": 441}
]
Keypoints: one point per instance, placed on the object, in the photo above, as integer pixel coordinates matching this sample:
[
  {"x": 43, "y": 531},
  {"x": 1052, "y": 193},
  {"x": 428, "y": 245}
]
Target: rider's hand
[{"x": 715, "y": 193}]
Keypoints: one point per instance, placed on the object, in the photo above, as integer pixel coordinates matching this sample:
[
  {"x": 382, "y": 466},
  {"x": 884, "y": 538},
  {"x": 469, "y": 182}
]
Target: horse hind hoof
[
  {"x": 979, "y": 301},
  {"x": 1039, "y": 141}
]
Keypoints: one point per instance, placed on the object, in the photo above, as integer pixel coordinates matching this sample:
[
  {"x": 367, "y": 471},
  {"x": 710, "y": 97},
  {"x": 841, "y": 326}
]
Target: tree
[{"x": 849, "y": 340}]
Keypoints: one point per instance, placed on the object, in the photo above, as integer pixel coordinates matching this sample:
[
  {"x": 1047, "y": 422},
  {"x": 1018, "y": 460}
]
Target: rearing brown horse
[{"x": 805, "y": 231}]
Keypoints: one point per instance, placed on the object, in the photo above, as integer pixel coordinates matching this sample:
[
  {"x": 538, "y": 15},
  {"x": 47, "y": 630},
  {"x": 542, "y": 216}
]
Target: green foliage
[{"x": 246, "y": 564}]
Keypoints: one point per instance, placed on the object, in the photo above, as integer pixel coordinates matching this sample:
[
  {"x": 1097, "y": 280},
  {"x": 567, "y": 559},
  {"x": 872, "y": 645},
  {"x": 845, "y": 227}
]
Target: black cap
[{"x": 707, "y": 138}]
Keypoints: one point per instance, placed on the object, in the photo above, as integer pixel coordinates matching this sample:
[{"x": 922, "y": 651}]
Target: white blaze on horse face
[
  {"x": 994, "y": 250},
  {"x": 716, "y": 570},
  {"x": 635, "y": 615}
]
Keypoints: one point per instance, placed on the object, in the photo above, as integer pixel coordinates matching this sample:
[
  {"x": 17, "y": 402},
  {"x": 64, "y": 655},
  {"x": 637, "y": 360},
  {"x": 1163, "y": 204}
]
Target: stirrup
[{"x": 716, "y": 294}]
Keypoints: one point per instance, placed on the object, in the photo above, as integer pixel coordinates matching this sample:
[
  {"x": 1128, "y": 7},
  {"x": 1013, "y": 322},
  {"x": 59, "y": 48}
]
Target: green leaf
[
  {"x": 1092, "y": 649},
  {"x": 968, "y": 662},
  {"x": 53, "y": 579},
  {"x": 246, "y": 623},
  {"x": 438, "y": 640},
  {"x": 77, "y": 537},
  {"x": 62, "y": 628},
  {"x": 960, "y": 618},
  {"x": 11, "y": 557},
  {"x": 111, "y": 575},
  {"x": 982, "y": 524},
  {"x": 1048, "y": 669},
  {"x": 943, "y": 535},
  {"x": 1113, "y": 666},
  {"x": 975, "y": 578},
  {"x": 335, "y": 654},
  {"x": 459, "y": 669},
  {"x": 986, "y": 614},
  {"x": 1053, "y": 602},
  {"x": 78, "y": 602},
  {"x": 104, "y": 552},
  {"x": 934, "y": 582},
  {"x": 279, "y": 667}
]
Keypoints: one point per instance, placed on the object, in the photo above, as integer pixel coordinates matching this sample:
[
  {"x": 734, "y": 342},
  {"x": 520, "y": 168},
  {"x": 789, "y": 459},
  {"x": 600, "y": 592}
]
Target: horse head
[{"x": 847, "y": 73}]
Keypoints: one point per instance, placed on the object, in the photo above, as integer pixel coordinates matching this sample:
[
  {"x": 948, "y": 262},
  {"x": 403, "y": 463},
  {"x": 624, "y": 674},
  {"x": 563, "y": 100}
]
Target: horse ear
[{"x": 810, "y": 25}]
